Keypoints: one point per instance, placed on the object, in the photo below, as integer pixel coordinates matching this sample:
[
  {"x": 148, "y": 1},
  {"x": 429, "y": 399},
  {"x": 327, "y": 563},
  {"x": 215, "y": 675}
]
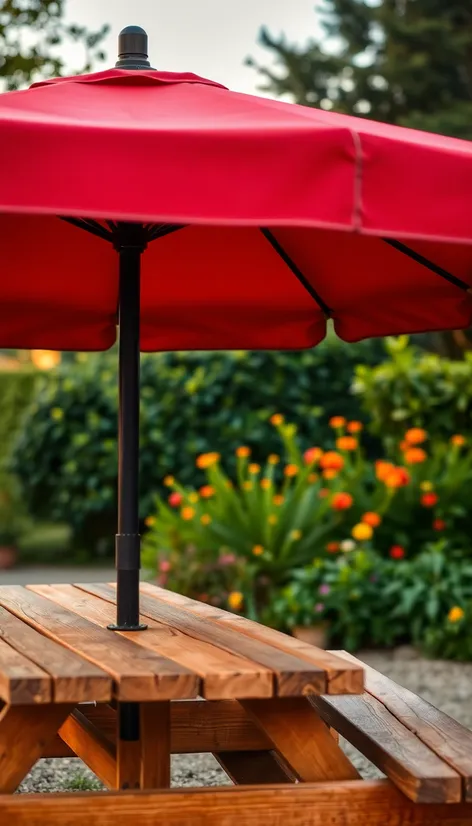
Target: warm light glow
[{"x": 45, "y": 359}]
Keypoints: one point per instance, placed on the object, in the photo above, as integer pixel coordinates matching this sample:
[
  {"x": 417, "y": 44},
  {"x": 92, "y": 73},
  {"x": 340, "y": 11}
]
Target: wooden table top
[{"x": 55, "y": 648}]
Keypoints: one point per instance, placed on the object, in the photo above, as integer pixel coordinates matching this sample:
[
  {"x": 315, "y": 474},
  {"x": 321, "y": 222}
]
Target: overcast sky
[{"x": 208, "y": 37}]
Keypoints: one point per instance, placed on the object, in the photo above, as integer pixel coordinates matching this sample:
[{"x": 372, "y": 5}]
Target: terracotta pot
[
  {"x": 8, "y": 557},
  {"x": 314, "y": 635}
]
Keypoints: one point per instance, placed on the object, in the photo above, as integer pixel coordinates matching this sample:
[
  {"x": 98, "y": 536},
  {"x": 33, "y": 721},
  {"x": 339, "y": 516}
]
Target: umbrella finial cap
[{"x": 133, "y": 49}]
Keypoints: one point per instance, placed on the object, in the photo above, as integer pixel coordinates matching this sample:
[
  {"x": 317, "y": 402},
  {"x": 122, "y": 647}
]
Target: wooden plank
[
  {"x": 196, "y": 726},
  {"x": 21, "y": 681},
  {"x": 24, "y": 733},
  {"x": 155, "y": 719},
  {"x": 451, "y": 741},
  {"x": 91, "y": 745},
  {"x": 74, "y": 679},
  {"x": 342, "y": 677},
  {"x": 293, "y": 676},
  {"x": 223, "y": 675},
  {"x": 416, "y": 770},
  {"x": 301, "y": 738},
  {"x": 357, "y": 803},
  {"x": 252, "y": 768},
  {"x": 137, "y": 675}
]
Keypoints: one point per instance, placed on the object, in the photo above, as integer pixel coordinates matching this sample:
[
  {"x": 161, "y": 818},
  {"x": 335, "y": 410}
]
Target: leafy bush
[
  {"x": 412, "y": 388},
  {"x": 17, "y": 388},
  {"x": 66, "y": 452}
]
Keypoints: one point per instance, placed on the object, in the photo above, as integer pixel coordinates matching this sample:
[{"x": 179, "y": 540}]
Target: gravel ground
[{"x": 447, "y": 685}]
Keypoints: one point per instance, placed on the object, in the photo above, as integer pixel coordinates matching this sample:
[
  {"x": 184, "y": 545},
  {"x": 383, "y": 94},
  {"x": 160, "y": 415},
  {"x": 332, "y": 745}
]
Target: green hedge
[
  {"x": 17, "y": 389},
  {"x": 191, "y": 403}
]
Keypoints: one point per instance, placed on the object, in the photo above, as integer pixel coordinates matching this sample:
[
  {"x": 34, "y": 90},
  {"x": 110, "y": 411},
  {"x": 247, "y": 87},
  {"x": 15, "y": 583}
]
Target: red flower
[
  {"x": 175, "y": 499},
  {"x": 429, "y": 500},
  {"x": 397, "y": 552},
  {"x": 439, "y": 525},
  {"x": 341, "y": 501}
]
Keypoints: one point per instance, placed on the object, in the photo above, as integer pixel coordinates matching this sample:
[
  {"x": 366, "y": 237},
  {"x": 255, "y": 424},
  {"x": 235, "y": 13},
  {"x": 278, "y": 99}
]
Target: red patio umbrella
[{"x": 245, "y": 222}]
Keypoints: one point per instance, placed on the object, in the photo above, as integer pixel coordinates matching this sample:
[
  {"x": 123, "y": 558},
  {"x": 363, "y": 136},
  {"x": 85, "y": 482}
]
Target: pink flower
[
  {"x": 165, "y": 566},
  {"x": 227, "y": 559},
  {"x": 319, "y": 607},
  {"x": 324, "y": 589}
]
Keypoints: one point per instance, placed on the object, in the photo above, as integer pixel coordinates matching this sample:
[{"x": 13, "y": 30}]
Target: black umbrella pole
[{"x": 128, "y": 554}]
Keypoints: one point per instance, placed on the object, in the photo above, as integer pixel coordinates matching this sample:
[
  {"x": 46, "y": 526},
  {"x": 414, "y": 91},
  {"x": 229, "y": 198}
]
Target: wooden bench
[{"x": 203, "y": 680}]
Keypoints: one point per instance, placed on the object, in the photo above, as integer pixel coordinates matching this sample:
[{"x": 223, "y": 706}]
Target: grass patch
[{"x": 81, "y": 782}]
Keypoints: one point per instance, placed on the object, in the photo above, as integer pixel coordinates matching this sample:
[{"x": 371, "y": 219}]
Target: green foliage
[
  {"x": 17, "y": 388},
  {"x": 81, "y": 781},
  {"x": 31, "y": 35},
  {"x": 65, "y": 455},
  {"x": 412, "y": 388},
  {"x": 401, "y": 62},
  {"x": 13, "y": 518},
  {"x": 451, "y": 637}
]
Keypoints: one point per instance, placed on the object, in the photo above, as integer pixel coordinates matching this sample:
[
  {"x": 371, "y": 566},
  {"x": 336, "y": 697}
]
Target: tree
[
  {"x": 402, "y": 61},
  {"x": 31, "y": 32}
]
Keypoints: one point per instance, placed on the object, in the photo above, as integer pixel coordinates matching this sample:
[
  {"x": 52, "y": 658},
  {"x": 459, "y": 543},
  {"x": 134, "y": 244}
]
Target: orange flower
[
  {"x": 312, "y": 455},
  {"x": 397, "y": 478},
  {"x": 254, "y": 468},
  {"x": 429, "y": 500},
  {"x": 277, "y": 419},
  {"x": 354, "y": 427},
  {"x": 266, "y": 484},
  {"x": 248, "y": 485},
  {"x": 243, "y": 452},
  {"x": 207, "y": 491},
  {"x": 258, "y": 550},
  {"x": 205, "y": 519},
  {"x": 337, "y": 422},
  {"x": 291, "y": 470},
  {"x": 458, "y": 440},
  {"x": 383, "y": 469},
  {"x": 169, "y": 481},
  {"x": 341, "y": 501},
  {"x": 150, "y": 521},
  {"x": 278, "y": 499},
  {"x": 330, "y": 473},
  {"x": 332, "y": 547},
  {"x": 415, "y": 455},
  {"x": 313, "y": 477},
  {"x": 235, "y": 600},
  {"x": 416, "y": 436},
  {"x": 273, "y": 459},
  {"x": 404, "y": 446},
  {"x": 207, "y": 460},
  {"x": 346, "y": 443},
  {"x": 187, "y": 513},
  {"x": 371, "y": 518},
  {"x": 332, "y": 461}
]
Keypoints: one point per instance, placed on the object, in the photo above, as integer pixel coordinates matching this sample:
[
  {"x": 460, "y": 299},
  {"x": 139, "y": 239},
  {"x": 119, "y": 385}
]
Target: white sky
[{"x": 208, "y": 37}]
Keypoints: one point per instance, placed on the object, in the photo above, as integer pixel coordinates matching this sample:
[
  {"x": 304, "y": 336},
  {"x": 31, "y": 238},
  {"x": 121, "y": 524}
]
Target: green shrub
[
  {"x": 415, "y": 388},
  {"x": 17, "y": 388},
  {"x": 65, "y": 455}
]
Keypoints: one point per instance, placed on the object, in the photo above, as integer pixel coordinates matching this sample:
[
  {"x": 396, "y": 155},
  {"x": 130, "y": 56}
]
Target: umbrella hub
[{"x": 133, "y": 49}]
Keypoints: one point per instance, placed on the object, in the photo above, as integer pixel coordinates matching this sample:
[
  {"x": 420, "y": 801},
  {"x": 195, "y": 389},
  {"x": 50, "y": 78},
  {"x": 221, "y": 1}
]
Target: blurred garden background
[{"x": 324, "y": 492}]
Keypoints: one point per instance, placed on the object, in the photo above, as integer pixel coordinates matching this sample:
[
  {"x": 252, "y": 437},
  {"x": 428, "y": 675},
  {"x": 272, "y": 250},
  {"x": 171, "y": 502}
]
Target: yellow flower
[
  {"x": 247, "y": 485},
  {"x": 362, "y": 531},
  {"x": 416, "y": 436},
  {"x": 150, "y": 521},
  {"x": 455, "y": 614},
  {"x": 272, "y": 519},
  {"x": 57, "y": 413},
  {"x": 169, "y": 481},
  {"x": 207, "y": 460},
  {"x": 295, "y": 534},
  {"x": 277, "y": 419},
  {"x": 266, "y": 484},
  {"x": 235, "y": 600},
  {"x": 193, "y": 497},
  {"x": 458, "y": 440},
  {"x": 278, "y": 499},
  {"x": 427, "y": 486},
  {"x": 291, "y": 470},
  {"x": 273, "y": 459},
  {"x": 187, "y": 513},
  {"x": 337, "y": 422},
  {"x": 205, "y": 519},
  {"x": 254, "y": 468},
  {"x": 258, "y": 550},
  {"x": 243, "y": 452}
]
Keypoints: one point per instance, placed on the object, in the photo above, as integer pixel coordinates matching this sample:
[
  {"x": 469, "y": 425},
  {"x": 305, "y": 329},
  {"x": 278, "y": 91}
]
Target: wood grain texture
[
  {"x": 24, "y": 734},
  {"x": 252, "y": 768},
  {"x": 301, "y": 738},
  {"x": 196, "y": 726},
  {"x": 414, "y": 768},
  {"x": 21, "y": 681},
  {"x": 293, "y": 676},
  {"x": 136, "y": 675},
  {"x": 155, "y": 720},
  {"x": 441, "y": 733},
  {"x": 342, "y": 677},
  {"x": 91, "y": 745},
  {"x": 72, "y": 678},
  {"x": 357, "y": 803},
  {"x": 223, "y": 675}
]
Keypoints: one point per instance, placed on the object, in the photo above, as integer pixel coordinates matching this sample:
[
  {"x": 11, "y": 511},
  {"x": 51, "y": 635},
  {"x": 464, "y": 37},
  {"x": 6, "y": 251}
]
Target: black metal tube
[{"x": 128, "y": 540}]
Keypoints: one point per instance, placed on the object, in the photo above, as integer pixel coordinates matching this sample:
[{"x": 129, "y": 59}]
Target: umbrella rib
[
  {"x": 430, "y": 265},
  {"x": 160, "y": 230},
  {"x": 296, "y": 271},
  {"x": 90, "y": 226}
]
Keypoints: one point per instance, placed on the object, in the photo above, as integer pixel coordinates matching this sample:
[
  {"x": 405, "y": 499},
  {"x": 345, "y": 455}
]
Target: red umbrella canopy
[{"x": 262, "y": 218}]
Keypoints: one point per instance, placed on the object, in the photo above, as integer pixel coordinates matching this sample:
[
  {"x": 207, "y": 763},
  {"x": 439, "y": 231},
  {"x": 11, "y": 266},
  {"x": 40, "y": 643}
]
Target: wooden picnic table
[{"x": 199, "y": 679}]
